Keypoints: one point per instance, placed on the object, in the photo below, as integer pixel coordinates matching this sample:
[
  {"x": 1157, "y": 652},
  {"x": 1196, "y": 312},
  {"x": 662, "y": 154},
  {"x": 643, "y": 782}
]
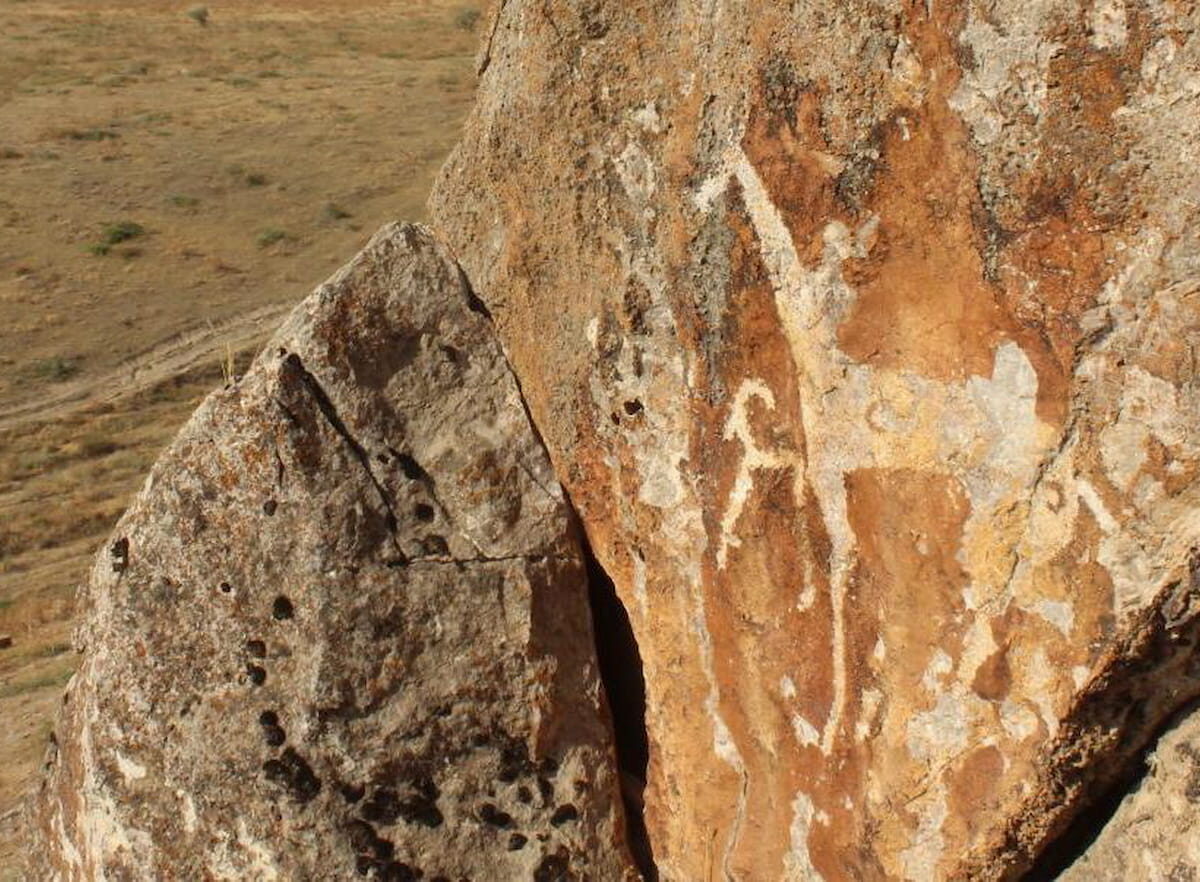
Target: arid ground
[{"x": 170, "y": 182}]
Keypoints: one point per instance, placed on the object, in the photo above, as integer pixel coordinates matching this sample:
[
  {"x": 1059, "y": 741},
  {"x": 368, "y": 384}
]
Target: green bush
[
  {"x": 55, "y": 369},
  {"x": 272, "y": 236},
  {"x": 467, "y": 19},
  {"x": 115, "y": 234}
]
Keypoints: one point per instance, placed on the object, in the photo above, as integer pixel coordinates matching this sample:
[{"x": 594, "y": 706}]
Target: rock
[
  {"x": 6, "y": 641},
  {"x": 348, "y": 633},
  {"x": 862, "y": 337},
  {"x": 1155, "y": 834}
]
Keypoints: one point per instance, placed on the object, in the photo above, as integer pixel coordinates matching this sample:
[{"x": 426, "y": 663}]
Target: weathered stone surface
[
  {"x": 862, "y": 334},
  {"x": 1155, "y": 834},
  {"x": 344, "y": 628}
]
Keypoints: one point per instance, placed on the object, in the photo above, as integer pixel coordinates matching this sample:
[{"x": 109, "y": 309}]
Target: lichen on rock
[{"x": 343, "y": 630}]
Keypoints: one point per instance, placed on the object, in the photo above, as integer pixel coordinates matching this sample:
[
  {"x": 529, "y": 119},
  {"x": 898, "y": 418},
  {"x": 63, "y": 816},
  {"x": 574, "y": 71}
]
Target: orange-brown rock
[{"x": 862, "y": 334}]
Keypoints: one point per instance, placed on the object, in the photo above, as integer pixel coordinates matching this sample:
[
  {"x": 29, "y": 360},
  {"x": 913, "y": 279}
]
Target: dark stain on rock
[
  {"x": 282, "y": 609},
  {"x": 383, "y": 807},
  {"x": 118, "y": 552},
  {"x": 292, "y": 772},
  {"x": 494, "y": 817},
  {"x": 411, "y": 468},
  {"x": 272, "y": 732},
  {"x": 563, "y": 814},
  {"x": 554, "y": 868}
]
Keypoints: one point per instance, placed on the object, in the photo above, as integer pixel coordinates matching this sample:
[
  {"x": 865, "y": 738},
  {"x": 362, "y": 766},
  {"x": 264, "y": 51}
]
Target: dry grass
[{"x": 316, "y": 120}]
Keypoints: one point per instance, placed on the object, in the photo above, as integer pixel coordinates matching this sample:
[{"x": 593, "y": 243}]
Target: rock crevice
[{"x": 305, "y": 663}]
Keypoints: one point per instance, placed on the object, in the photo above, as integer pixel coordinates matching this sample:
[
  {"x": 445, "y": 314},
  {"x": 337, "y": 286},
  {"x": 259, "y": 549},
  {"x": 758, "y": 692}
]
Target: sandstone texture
[
  {"x": 862, "y": 334},
  {"x": 343, "y": 631},
  {"x": 1155, "y": 834}
]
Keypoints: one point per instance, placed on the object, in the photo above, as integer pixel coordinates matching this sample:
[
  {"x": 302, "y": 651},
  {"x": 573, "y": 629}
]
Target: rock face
[
  {"x": 862, "y": 334},
  {"x": 1155, "y": 834},
  {"x": 344, "y": 628}
]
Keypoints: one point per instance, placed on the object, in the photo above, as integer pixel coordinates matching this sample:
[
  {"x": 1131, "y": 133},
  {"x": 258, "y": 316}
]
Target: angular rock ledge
[{"x": 344, "y": 627}]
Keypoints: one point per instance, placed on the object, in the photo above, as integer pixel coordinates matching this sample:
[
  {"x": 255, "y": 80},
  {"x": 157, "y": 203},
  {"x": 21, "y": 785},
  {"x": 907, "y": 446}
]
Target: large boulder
[
  {"x": 863, "y": 335},
  {"x": 344, "y": 628}
]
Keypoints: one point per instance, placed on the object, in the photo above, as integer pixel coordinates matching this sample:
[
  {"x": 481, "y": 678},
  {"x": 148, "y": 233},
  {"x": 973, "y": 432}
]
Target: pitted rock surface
[
  {"x": 862, "y": 334},
  {"x": 343, "y": 631}
]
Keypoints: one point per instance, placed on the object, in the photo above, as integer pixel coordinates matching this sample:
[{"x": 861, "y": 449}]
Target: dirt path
[{"x": 170, "y": 358}]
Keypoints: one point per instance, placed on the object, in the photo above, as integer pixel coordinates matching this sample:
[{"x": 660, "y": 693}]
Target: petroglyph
[
  {"x": 859, "y": 417},
  {"x": 901, "y": 299}
]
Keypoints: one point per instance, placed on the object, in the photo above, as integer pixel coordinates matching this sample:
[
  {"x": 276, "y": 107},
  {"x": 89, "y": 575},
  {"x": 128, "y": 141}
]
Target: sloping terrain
[{"x": 167, "y": 189}]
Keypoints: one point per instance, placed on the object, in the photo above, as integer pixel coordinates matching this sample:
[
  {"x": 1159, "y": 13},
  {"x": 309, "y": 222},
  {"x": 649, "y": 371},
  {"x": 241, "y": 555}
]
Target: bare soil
[{"x": 167, "y": 190}]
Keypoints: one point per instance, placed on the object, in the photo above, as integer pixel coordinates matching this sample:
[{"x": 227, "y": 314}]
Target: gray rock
[
  {"x": 1155, "y": 834},
  {"x": 344, "y": 627}
]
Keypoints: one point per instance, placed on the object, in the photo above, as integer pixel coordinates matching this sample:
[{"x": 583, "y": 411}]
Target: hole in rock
[
  {"x": 563, "y": 814},
  {"x": 409, "y": 466},
  {"x": 282, "y": 608},
  {"x": 494, "y": 817},
  {"x": 625, "y": 687}
]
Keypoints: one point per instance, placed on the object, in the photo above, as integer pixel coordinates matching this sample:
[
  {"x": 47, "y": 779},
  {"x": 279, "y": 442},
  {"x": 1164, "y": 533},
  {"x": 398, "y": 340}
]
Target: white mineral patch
[
  {"x": 1109, "y": 30},
  {"x": 797, "y": 863},
  {"x": 920, "y": 860},
  {"x": 1061, "y": 614},
  {"x": 806, "y": 733},
  {"x": 942, "y": 730},
  {"x": 130, "y": 770}
]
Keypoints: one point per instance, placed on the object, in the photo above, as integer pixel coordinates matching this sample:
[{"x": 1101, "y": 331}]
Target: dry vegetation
[{"x": 167, "y": 186}]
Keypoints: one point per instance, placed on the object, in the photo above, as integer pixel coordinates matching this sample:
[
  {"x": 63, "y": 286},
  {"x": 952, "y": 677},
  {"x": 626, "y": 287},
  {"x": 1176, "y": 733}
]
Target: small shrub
[
  {"x": 94, "y": 445},
  {"x": 92, "y": 135},
  {"x": 123, "y": 231},
  {"x": 332, "y": 212},
  {"x": 254, "y": 179},
  {"x": 55, "y": 369},
  {"x": 198, "y": 14},
  {"x": 181, "y": 201},
  {"x": 115, "y": 234},
  {"x": 467, "y": 19},
  {"x": 272, "y": 236},
  {"x": 10, "y": 153}
]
